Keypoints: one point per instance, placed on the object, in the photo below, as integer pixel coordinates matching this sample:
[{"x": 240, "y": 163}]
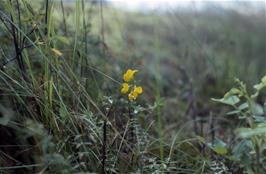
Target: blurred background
[{"x": 187, "y": 50}]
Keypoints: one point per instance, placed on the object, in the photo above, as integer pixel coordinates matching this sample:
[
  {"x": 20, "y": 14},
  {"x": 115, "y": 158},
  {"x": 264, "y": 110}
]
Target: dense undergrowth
[{"x": 62, "y": 109}]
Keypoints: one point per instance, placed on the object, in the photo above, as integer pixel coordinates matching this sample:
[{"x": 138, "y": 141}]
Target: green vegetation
[
  {"x": 68, "y": 103},
  {"x": 251, "y": 128}
]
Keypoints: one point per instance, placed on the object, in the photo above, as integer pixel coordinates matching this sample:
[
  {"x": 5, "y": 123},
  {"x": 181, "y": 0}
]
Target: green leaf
[
  {"x": 259, "y": 86},
  {"x": 260, "y": 119},
  {"x": 264, "y": 108},
  {"x": 263, "y": 80},
  {"x": 220, "y": 150},
  {"x": 231, "y": 100},
  {"x": 243, "y": 106},
  {"x": 233, "y": 91},
  {"x": 220, "y": 147},
  {"x": 248, "y": 132},
  {"x": 233, "y": 112},
  {"x": 240, "y": 108},
  {"x": 257, "y": 109},
  {"x": 242, "y": 149}
]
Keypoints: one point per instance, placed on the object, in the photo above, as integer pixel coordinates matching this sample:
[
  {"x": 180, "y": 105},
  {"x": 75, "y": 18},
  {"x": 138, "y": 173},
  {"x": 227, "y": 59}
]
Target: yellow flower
[
  {"x": 129, "y": 75},
  {"x": 125, "y": 88},
  {"x": 138, "y": 90},
  {"x": 133, "y": 95}
]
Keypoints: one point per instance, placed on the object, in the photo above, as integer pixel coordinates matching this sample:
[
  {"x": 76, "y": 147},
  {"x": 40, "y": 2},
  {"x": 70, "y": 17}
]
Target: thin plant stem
[
  {"x": 46, "y": 17},
  {"x": 64, "y": 17}
]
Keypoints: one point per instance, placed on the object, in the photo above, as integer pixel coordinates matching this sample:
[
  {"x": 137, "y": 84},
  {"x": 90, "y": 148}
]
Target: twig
[
  {"x": 19, "y": 23},
  {"x": 104, "y": 147},
  {"x": 131, "y": 128},
  {"x": 28, "y": 34},
  {"x": 19, "y": 57},
  {"x": 105, "y": 140},
  {"x": 46, "y": 17}
]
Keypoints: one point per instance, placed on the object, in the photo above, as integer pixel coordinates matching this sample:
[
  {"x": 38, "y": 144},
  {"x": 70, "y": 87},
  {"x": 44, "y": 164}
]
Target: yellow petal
[
  {"x": 125, "y": 88},
  {"x": 138, "y": 90},
  {"x": 129, "y": 75},
  {"x": 57, "y": 52},
  {"x": 132, "y": 96}
]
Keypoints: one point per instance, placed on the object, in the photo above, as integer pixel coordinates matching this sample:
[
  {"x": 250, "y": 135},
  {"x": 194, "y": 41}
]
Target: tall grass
[{"x": 61, "y": 107}]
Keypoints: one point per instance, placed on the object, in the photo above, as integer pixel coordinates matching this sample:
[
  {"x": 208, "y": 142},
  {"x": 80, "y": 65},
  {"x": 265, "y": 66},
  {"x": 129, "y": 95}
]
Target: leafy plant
[{"x": 251, "y": 141}]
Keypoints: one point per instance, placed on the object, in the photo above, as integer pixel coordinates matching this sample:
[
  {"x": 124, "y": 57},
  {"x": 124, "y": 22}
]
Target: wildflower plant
[
  {"x": 127, "y": 107},
  {"x": 251, "y": 137},
  {"x": 129, "y": 86},
  {"x": 131, "y": 90}
]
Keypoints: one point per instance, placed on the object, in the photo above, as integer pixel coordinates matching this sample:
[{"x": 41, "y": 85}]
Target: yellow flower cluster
[{"x": 134, "y": 93}]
